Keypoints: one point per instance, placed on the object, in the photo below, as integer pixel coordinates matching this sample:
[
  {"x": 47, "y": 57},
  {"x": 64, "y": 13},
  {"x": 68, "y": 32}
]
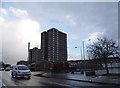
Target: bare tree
[{"x": 103, "y": 48}]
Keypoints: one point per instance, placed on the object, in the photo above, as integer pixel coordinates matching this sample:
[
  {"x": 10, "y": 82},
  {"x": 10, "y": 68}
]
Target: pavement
[
  {"x": 77, "y": 76},
  {"x": 0, "y": 79}
]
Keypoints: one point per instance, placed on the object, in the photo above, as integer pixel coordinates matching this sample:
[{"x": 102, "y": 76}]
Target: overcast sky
[{"x": 23, "y": 22}]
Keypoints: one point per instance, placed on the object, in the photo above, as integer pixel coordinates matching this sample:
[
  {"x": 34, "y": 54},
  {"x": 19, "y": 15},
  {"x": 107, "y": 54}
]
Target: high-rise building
[
  {"x": 44, "y": 44},
  {"x": 54, "y": 45}
]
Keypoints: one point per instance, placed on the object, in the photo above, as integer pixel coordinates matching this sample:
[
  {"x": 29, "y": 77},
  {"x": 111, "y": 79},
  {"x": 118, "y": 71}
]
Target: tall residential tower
[{"x": 54, "y": 45}]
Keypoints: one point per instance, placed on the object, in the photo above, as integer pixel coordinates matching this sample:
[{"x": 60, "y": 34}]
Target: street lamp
[
  {"x": 83, "y": 44},
  {"x": 81, "y": 51},
  {"x": 81, "y": 59},
  {"x": 89, "y": 57}
]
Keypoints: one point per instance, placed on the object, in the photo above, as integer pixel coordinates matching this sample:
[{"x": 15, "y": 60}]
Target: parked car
[
  {"x": 21, "y": 71},
  {"x": 1, "y": 69},
  {"x": 8, "y": 69}
]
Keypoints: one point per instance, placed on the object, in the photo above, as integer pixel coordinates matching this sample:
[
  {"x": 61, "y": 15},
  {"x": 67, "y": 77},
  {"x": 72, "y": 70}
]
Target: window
[{"x": 22, "y": 68}]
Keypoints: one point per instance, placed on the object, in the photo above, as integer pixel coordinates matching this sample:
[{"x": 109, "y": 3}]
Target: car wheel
[
  {"x": 28, "y": 77},
  {"x": 16, "y": 75},
  {"x": 12, "y": 75}
]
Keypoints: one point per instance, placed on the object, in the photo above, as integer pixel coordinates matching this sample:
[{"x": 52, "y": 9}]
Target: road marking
[{"x": 4, "y": 85}]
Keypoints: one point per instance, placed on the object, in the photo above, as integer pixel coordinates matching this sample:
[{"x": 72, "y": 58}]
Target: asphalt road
[{"x": 41, "y": 81}]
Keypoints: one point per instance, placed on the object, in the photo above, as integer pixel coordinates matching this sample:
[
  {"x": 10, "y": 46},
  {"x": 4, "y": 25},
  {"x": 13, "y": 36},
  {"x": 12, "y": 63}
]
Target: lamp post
[
  {"x": 81, "y": 59},
  {"x": 84, "y": 63},
  {"x": 83, "y": 44},
  {"x": 89, "y": 57},
  {"x": 83, "y": 50},
  {"x": 80, "y": 51}
]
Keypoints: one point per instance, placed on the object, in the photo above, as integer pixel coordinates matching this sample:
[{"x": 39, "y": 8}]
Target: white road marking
[{"x": 4, "y": 85}]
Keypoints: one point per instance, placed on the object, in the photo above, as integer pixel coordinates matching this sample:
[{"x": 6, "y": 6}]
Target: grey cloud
[{"x": 85, "y": 14}]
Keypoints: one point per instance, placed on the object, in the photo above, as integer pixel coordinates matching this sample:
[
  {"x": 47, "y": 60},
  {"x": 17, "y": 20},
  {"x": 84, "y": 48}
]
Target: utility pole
[
  {"x": 84, "y": 56},
  {"x": 83, "y": 51}
]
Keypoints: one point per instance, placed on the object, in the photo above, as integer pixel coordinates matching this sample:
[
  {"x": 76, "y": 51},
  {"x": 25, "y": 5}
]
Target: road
[{"x": 41, "y": 81}]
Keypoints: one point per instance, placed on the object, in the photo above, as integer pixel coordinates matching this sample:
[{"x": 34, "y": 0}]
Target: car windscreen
[{"x": 22, "y": 68}]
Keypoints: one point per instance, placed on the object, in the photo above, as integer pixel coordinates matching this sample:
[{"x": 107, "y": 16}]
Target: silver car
[{"x": 21, "y": 71}]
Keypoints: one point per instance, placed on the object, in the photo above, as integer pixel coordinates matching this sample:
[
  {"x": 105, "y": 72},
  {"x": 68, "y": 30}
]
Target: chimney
[{"x": 28, "y": 46}]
